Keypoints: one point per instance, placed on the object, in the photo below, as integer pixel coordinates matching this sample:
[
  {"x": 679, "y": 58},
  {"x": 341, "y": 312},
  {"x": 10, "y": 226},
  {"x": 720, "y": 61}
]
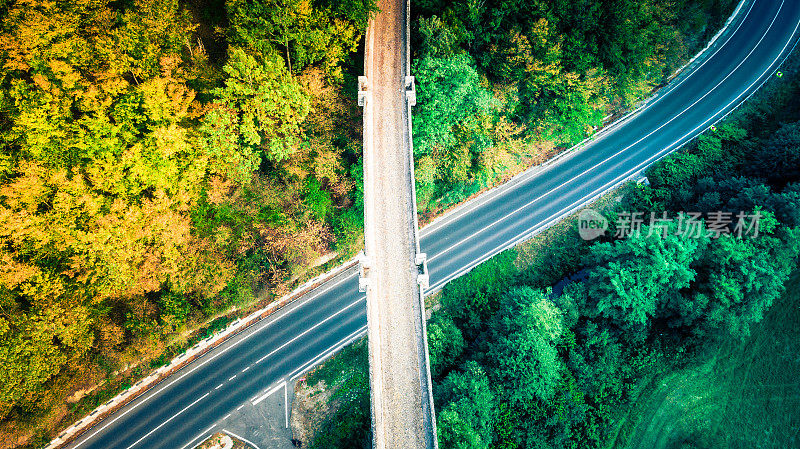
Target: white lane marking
[
  {"x": 245, "y": 370},
  {"x": 200, "y": 435},
  {"x": 267, "y": 322},
  {"x": 286, "y": 403},
  {"x": 232, "y": 377},
  {"x": 237, "y": 436},
  {"x": 467, "y": 207},
  {"x": 530, "y": 231},
  {"x": 281, "y": 384},
  {"x": 311, "y": 329},
  {"x": 219, "y": 386},
  {"x": 301, "y": 303},
  {"x": 226, "y": 416},
  {"x": 509, "y": 243},
  {"x": 342, "y": 343},
  {"x": 240, "y": 407},
  {"x": 583, "y": 173},
  {"x": 170, "y": 419}
]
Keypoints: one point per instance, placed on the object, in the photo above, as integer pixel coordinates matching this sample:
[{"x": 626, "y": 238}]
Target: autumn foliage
[{"x": 145, "y": 186}]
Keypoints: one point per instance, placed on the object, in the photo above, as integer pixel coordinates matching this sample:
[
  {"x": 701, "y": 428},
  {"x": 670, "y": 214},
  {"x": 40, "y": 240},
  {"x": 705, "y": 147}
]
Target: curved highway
[{"x": 191, "y": 403}]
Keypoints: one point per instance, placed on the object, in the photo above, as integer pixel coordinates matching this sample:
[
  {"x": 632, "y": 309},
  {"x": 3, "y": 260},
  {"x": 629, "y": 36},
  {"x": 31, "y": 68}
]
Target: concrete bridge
[{"x": 393, "y": 271}]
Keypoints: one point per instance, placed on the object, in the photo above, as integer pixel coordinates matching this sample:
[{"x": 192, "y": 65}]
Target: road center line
[
  {"x": 459, "y": 212},
  {"x": 311, "y": 329},
  {"x": 170, "y": 419},
  {"x": 583, "y": 173}
]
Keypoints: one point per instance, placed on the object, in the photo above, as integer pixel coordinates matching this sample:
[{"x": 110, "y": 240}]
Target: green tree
[
  {"x": 445, "y": 343},
  {"x": 741, "y": 278},
  {"x": 471, "y": 300},
  {"x": 466, "y": 420},
  {"x": 632, "y": 279},
  {"x": 300, "y": 32},
  {"x": 439, "y": 38},
  {"x": 779, "y": 158},
  {"x": 38, "y": 344},
  {"x": 150, "y": 30},
  {"x": 449, "y": 96},
  {"x": 522, "y": 351},
  {"x": 175, "y": 308},
  {"x": 317, "y": 200},
  {"x": 269, "y": 106}
]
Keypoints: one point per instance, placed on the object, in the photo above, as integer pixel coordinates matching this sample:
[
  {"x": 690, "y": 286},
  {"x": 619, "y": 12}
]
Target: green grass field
[{"x": 746, "y": 396}]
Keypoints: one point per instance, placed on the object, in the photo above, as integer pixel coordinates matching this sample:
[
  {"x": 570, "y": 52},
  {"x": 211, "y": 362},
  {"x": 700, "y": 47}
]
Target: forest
[
  {"x": 168, "y": 163},
  {"x": 517, "y": 363},
  {"x": 505, "y": 84},
  {"x": 162, "y": 162}
]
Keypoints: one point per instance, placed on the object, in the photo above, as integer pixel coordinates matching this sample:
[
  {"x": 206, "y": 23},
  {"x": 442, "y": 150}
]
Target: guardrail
[
  {"x": 421, "y": 260},
  {"x": 144, "y": 385}
]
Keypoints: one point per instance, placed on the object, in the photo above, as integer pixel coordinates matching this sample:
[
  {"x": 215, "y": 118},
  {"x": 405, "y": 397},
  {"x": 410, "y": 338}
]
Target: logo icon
[{"x": 591, "y": 224}]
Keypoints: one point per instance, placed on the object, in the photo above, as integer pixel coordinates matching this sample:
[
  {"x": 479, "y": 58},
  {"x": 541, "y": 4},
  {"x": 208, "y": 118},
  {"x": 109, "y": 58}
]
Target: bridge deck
[{"x": 402, "y": 415}]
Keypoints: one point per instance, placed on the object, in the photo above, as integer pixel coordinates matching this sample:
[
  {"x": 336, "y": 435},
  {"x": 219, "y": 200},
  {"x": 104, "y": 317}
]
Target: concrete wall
[{"x": 393, "y": 270}]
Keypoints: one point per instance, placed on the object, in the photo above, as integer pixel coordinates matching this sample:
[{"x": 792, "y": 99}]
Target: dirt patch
[
  {"x": 330, "y": 408},
  {"x": 310, "y": 407},
  {"x": 223, "y": 441}
]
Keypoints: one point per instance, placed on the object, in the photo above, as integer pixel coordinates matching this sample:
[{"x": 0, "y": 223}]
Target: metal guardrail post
[
  {"x": 363, "y": 272},
  {"x": 411, "y": 91},
  {"x": 363, "y": 90}
]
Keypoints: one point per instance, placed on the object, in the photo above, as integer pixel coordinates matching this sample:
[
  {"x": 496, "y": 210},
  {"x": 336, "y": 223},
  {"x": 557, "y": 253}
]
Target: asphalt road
[{"x": 188, "y": 405}]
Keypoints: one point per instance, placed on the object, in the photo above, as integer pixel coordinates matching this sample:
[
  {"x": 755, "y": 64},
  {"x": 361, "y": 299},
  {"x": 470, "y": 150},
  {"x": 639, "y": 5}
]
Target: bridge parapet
[{"x": 393, "y": 271}]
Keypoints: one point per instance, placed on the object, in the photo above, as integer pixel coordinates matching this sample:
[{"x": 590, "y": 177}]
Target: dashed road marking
[
  {"x": 201, "y": 434},
  {"x": 165, "y": 422},
  {"x": 281, "y": 384}
]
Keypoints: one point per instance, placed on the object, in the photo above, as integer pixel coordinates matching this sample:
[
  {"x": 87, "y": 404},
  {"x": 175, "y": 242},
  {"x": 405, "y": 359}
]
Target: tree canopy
[
  {"x": 503, "y": 83},
  {"x": 146, "y": 187}
]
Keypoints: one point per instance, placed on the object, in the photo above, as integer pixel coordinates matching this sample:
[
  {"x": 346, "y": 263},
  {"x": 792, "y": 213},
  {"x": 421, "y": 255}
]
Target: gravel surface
[{"x": 398, "y": 389}]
